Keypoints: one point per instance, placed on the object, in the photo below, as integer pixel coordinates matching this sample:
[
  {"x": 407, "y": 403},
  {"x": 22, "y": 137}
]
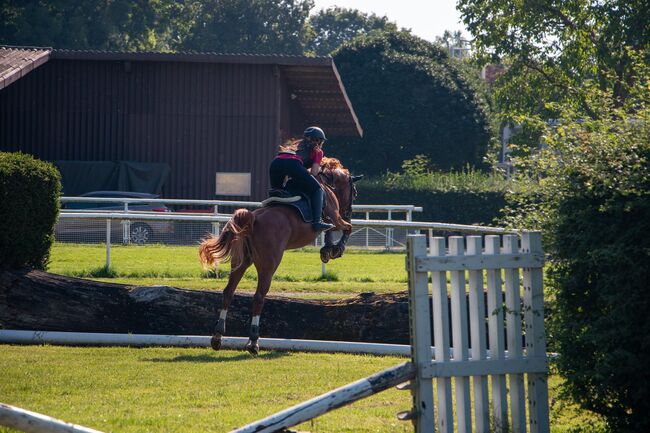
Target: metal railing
[{"x": 368, "y": 237}]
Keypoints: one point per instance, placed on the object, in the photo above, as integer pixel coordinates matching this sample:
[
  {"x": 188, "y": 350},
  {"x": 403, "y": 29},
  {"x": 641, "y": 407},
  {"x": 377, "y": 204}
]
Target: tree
[
  {"x": 554, "y": 46},
  {"x": 92, "y": 24},
  {"x": 335, "y": 26},
  {"x": 590, "y": 194},
  {"x": 250, "y": 26},
  {"x": 411, "y": 100}
]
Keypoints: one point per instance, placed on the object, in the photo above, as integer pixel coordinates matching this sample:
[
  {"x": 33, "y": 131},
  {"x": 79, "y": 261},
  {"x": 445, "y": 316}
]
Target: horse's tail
[{"x": 232, "y": 244}]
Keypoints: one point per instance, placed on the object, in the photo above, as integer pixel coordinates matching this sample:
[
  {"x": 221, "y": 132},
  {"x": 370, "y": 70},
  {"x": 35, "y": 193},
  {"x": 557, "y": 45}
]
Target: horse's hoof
[
  {"x": 325, "y": 254},
  {"x": 336, "y": 252},
  {"x": 215, "y": 341},
  {"x": 253, "y": 347}
]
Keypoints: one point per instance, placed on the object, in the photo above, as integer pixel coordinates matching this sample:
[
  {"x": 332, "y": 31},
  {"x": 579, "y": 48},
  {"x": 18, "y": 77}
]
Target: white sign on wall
[{"x": 233, "y": 183}]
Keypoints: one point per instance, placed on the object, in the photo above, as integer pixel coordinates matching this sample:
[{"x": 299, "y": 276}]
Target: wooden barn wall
[{"x": 199, "y": 118}]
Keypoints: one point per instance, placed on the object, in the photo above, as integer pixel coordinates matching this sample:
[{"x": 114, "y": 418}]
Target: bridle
[{"x": 327, "y": 179}]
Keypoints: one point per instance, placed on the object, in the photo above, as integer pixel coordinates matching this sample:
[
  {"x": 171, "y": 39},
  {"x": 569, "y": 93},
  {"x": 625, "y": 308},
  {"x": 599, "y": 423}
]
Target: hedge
[
  {"x": 29, "y": 206},
  {"x": 458, "y": 207}
]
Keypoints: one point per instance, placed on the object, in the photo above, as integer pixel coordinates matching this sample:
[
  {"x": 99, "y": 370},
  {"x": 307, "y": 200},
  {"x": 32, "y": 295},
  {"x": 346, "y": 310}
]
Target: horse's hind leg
[
  {"x": 228, "y": 293},
  {"x": 265, "y": 273}
]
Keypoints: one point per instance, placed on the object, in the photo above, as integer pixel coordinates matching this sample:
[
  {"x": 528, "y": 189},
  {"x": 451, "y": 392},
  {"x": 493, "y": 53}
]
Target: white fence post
[
  {"x": 514, "y": 338},
  {"x": 108, "y": 243},
  {"x": 531, "y": 242},
  {"x": 420, "y": 318},
  {"x": 477, "y": 332},
  {"x": 441, "y": 338},
  {"x": 496, "y": 335},
  {"x": 460, "y": 338},
  {"x": 216, "y": 227}
]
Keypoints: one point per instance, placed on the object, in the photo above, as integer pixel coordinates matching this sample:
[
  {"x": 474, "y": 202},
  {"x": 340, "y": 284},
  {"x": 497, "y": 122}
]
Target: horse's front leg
[
  {"x": 228, "y": 294},
  {"x": 326, "y": 250},
  {"x": 339, "y": 248}
]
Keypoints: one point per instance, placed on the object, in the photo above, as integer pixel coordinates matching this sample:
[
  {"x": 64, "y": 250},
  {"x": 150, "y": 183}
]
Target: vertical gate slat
[
  {"x": 531, "y": 242},
  {"x": 514, "y": 338},
  {"x": 440, "y": 303},
  {"x": 496, "y": 332},
  {"x": 420, "y": 335},
  {"x": 478, "y": 340},
  {"x": 460, "y": 338}
]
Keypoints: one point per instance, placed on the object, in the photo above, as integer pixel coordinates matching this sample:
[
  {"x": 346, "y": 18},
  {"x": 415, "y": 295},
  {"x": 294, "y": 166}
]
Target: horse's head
[{"x": 338, "y": 178}]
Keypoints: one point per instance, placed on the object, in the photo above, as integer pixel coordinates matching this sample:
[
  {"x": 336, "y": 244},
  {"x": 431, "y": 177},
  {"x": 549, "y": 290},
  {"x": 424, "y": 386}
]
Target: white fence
[
  {"x": 188, "y": 231},
  {"x": 471, "y": 268}
]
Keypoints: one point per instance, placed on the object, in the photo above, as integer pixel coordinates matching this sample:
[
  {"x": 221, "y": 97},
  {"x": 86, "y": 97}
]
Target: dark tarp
[{"x": 79, "y": 177}]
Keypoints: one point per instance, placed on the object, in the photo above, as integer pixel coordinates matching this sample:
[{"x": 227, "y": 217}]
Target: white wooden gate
[{"x": 460, "y": 273}]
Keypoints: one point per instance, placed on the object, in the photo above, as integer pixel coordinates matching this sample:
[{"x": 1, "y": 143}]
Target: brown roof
[
  {"x": 16, "y": 62},
  {"x": 314, "y": 82}
]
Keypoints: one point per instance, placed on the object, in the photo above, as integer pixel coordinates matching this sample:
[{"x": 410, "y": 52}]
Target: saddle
[{"x": 292, "y": 198}]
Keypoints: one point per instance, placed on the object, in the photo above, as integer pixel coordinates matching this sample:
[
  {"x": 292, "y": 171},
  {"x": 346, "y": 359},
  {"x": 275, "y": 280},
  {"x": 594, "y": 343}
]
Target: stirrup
[{"x": 322, "y": 227}]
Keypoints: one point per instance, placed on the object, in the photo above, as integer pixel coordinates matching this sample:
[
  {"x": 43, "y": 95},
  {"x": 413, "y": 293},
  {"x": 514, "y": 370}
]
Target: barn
[{"x": 185, "y": 125}]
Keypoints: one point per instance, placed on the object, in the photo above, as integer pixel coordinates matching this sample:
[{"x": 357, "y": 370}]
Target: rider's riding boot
[{"x": 317, "y": 212}]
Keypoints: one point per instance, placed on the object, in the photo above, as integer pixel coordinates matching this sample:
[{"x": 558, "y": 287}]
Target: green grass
[
  {"x": 153, "y": 390},
  {"x": 299, "y": 273}
]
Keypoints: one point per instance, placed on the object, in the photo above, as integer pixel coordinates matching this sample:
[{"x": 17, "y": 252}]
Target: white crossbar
[
  {"x": 485, "y": 367},
  {"x": 468, "y": 263},
  {"x": 32, "y": 422}
]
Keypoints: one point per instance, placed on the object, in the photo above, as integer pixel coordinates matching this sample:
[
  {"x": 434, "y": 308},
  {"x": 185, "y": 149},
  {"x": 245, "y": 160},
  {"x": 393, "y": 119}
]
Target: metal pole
[
  {"x": 126, "y": 226},
  {"x": 367, "y": 229},
  {"x": 389, "y": 232},
  {"x": 216, "y": 227},
  {"x": 108, "y": 243}
]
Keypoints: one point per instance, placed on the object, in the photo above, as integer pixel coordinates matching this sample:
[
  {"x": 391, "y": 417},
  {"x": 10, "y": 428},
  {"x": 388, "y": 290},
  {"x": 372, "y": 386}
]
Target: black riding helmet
[{"x": 314, "y": 132}]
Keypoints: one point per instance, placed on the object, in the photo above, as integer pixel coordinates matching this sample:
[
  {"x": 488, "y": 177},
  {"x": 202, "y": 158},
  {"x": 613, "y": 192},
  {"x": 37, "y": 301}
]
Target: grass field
[
  {"x": 178, "y": 266},
  {"x": 186, "y": 390},
  {"x": 152, "y": 390}
]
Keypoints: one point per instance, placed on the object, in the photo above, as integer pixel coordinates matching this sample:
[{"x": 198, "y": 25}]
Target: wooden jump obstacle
[{"x": 472, "y": 270}]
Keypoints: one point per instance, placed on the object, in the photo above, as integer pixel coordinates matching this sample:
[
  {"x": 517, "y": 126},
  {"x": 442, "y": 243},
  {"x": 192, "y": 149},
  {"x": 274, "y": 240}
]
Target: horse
[{"x": 260, "y": 238}]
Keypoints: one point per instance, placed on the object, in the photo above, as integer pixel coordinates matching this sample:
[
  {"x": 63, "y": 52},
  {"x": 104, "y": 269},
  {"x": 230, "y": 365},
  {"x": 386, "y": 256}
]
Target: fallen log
[{"x": 32, "y": 299}]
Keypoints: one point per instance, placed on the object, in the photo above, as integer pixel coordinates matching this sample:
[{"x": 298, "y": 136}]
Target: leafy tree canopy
[
  {"x": 590, "y": 195},
  {"x": 334, "y": 26},
  {"x": 553, "y": 47},
  {"x": 411, "y": 100},
  {"x": 250, "y": 26}
]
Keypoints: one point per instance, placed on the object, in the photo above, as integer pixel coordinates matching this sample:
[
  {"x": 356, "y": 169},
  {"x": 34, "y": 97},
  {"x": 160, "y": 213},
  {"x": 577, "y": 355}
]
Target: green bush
[
  {"x": 410, "y": 99},
  {"x": 462, "y": 197},
  {"x": 29, "y": 206},
  {"x": 590, "y": 194}
]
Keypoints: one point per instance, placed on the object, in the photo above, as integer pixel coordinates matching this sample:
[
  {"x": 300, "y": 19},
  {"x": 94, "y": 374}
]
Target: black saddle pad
[{"x": 297, "y": 200}]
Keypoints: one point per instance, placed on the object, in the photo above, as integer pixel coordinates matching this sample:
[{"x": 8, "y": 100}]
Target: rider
[{"x": 301, "y": 160}]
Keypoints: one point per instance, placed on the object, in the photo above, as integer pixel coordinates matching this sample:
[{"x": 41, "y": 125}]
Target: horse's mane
[{"x": 333, "y": 164}]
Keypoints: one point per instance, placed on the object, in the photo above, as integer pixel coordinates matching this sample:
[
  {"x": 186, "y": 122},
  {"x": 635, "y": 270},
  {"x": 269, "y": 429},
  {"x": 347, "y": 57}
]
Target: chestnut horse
[{"x": 260, "y": 238}]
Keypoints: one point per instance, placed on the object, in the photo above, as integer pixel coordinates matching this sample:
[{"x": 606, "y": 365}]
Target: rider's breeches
[{"x": 293, "y": 168}]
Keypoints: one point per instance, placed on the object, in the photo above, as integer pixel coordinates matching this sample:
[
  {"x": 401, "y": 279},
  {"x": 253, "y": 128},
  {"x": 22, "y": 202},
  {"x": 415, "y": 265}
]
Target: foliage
[
  {"x": 250, "y": 26},
  {"x": 29, "y": 206},
  {"x": 410, "y": 100},
  {"x": 589, "y": 190},
  {"x": 91, "y": 24},
  {"x": 228, "y": 26},
  {"x": 467, "y": 196},
  {"x": 334, "y": 26},
  {"x": 552, "y": 47}
]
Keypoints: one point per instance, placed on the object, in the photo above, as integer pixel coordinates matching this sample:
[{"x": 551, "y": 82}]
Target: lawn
[
  {"x": 151, "y": 390},
  {"x": 178, "y": 266}
]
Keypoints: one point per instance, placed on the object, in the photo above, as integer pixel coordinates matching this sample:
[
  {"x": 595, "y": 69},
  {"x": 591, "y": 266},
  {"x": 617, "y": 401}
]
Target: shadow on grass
[{"x": 206, "y": 358}]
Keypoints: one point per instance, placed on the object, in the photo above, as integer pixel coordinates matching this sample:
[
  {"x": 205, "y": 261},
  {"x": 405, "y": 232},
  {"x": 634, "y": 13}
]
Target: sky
[{"x": 426, "y": 18}]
